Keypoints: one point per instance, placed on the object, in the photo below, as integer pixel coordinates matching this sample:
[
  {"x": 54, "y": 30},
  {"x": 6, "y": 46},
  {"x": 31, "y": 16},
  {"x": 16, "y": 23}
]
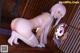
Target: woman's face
[
  {"x": 58, "y": 11},
  {"x": 58, "y": 14}
]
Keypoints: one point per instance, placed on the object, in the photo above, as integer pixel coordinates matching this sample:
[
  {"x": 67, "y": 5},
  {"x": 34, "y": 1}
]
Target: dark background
[{"x": 10, "y": 9}]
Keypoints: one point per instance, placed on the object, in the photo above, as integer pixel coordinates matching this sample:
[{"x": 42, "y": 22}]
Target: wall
[{"x": 72, "y": 43}]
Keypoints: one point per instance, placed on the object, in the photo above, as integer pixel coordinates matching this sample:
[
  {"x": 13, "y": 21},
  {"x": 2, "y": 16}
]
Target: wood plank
[{"x": 22, "y": 47}]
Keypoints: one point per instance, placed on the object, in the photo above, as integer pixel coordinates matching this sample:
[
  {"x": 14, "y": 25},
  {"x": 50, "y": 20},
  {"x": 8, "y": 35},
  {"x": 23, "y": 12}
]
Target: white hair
[{"x": 56, "y": 7}]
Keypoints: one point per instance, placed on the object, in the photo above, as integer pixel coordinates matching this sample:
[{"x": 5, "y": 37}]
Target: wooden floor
[{"x": 23, "y": 48}]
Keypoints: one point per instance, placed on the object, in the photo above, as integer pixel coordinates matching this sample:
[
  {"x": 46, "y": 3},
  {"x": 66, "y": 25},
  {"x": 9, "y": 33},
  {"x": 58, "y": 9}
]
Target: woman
[{"x": 22, "y": 28}]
